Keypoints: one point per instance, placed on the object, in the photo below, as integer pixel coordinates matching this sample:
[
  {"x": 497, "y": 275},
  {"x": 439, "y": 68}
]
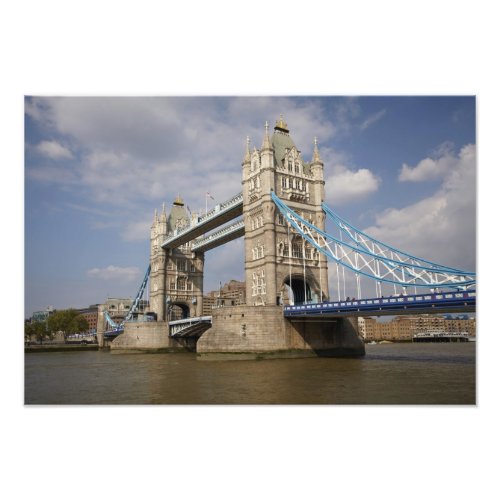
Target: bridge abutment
[
  {"x": 257, "y": 332},
  {"x": 150, "y": 337}
]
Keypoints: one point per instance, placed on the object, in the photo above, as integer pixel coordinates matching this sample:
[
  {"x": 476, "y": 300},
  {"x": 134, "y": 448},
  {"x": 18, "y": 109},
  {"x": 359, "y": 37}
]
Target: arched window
[{"x": 181, "y": 283}]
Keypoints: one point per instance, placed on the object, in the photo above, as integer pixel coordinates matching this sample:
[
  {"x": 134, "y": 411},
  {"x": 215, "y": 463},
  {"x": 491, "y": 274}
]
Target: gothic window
[
  {"x": 280, "y": 248},
  {"x": 172, "y": 284},
  {"x": 308, "y": 252},
  {"x": 286, "y": 250},
  {"x": 181, "y": 265},
  {"x": 253, "y": 224},
  {"x": 193, "y": 267},
  {"x": 297, "y": 250},
  {"x": 281, "y": 219},
  {"x": 261, "y": 221},
  {"x": 283, "y": 181},
  {"x": 170, "y": 265},
  {"x": 290, "y": 166},
  {"x": 297, "y": 168}
]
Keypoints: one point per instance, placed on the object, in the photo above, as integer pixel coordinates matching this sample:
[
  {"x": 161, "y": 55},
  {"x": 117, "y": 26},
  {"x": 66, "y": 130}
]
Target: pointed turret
[
  {"x": 246, "y": 159},
  {"x": 163, "y": 216},
  {"x": 266, "y": 143},
  {"x": 316, "y": 157}
]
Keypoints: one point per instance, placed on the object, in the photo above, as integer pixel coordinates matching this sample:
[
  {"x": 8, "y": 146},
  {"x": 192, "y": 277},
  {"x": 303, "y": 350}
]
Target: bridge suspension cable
[{"x": 368, "y": 257}]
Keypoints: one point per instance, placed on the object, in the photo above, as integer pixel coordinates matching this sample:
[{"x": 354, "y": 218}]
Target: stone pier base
[
  {"x": 250, "y": 332},
  {"x": 149, "y": 337}
]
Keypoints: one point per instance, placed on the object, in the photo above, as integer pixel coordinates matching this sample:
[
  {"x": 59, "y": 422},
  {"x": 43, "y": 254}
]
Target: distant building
[
  {"x": 90, "y": 314},
  {"x": 39, "y": 316},
  {"x": 118, "y": 308},
  {"x": 402, "y": 328},
  {"x": 231, "y": 294}
]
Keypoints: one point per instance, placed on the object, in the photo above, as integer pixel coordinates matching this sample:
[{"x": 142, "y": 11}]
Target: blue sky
[{"x": 401, "y": 168}]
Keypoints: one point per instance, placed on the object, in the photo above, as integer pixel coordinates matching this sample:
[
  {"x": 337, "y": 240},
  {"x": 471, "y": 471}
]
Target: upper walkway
[{"x": 219, "y": 215}]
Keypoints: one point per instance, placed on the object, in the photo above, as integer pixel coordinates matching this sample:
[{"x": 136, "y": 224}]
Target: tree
[
  {"x": 36, "y": 329},
  {"x": 67, "y": 321}
]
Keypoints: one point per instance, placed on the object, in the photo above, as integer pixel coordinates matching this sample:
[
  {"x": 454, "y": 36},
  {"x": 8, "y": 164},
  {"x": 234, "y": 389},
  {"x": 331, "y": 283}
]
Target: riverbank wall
[{"x": 60, "y": 347}]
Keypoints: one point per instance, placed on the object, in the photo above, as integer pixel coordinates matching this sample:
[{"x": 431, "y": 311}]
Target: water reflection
[{"x": 389, "y": 374}]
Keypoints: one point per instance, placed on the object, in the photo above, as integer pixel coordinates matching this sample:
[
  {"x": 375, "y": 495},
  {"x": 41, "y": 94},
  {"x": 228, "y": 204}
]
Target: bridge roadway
[
  {"x": 431, "y": 303},
  {"x": 219, "y": 215}
]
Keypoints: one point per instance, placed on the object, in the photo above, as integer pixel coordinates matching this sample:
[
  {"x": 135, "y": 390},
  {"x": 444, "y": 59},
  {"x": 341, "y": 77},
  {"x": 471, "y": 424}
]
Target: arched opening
[
  {"x": 298, "y": 290},
  {"x": 178, "y": 311}
]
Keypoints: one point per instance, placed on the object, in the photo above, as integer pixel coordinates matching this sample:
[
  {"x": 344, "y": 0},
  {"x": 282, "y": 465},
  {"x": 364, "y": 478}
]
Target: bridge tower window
[{"x": 297, "y": 250}]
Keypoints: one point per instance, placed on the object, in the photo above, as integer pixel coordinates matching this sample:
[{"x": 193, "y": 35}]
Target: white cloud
[
  {"x": 110, "y": 273},
  {"x": 443, "y": 162},
  {"x": 441, "y": 227},
  {"x": 53, "y": 150},
  {"x": 346, "y": 184},
  {"x": 373, "y": 119}
]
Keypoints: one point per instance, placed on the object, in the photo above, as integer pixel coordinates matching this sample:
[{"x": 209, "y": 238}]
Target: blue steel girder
[
  {"x": 139, "y": 295},
  {"x": 400, "y": 269},
  {"x": 376, "y": 247}
]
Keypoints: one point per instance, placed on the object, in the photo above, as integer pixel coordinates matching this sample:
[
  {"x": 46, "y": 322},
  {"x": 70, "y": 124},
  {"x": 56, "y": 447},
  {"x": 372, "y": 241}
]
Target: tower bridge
[{"x": 282, "y": 217}]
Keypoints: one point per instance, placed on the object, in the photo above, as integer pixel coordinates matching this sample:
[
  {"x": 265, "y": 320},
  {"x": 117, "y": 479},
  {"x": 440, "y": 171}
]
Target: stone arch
[
  {"x": 178, "y": 310},
  {"x": 299, "y": 292}
]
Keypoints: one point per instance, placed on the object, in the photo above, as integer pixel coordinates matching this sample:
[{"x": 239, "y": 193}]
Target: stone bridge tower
[
  {"x": 176, "y": 281},
  {"x": 279, "y": 265}
]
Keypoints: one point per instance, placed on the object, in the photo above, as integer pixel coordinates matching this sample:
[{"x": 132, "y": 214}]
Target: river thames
[{"x": 397, "y": 374}]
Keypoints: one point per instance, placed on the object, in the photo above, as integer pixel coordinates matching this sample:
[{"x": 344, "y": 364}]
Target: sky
[{"x": 402, "y": 169}]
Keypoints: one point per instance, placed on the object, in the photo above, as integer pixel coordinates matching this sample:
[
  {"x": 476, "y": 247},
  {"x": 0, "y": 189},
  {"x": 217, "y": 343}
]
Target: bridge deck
[{"x": 388, "y": 306}]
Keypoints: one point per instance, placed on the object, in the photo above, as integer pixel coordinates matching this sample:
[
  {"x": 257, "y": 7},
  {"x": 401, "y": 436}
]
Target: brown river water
[{"x": 397, "y": 374}]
